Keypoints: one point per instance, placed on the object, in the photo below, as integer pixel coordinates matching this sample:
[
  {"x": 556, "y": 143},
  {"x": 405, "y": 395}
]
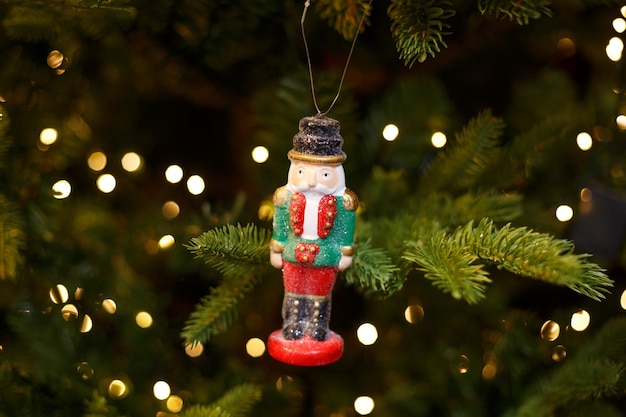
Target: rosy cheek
[{"x": 296, "y": 179}]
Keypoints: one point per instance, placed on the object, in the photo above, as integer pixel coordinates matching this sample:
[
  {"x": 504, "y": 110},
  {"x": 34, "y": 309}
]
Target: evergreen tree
[{"x": 479, "y": 294}]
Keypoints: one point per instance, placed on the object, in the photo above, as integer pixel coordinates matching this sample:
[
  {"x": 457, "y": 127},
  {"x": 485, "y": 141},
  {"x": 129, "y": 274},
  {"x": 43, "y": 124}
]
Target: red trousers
[{"x": 310, "y": 280}]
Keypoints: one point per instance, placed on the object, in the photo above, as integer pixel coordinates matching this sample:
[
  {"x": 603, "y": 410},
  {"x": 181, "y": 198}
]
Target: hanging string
[{"x": 307, "y": 4}]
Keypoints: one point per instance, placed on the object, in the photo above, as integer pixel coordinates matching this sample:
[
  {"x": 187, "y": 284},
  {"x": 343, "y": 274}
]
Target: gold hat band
[{"x": 317, "y": 159}]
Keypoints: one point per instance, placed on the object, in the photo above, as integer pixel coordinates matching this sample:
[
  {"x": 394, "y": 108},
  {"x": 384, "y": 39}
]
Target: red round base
[{"x": 305, "y": 351}]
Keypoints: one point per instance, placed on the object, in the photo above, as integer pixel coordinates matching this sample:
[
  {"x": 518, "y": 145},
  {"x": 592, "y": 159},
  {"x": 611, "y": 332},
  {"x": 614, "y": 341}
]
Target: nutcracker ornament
[{"x": 314, "y": 216}]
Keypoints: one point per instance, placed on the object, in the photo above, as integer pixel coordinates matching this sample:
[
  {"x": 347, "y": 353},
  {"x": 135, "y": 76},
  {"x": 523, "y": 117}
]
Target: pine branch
[
  {"x": 454, "y": 211},
  {"x": 451, "y": 260},
  {"x": 97, "y": 406},
  {"x": 461, "y": 165},
  {"x": 12, "y": 240},
  {"x": 232, "y": 247},
  {"x": 452, "y": 270},
  {"x": 5, "y": 142},
  {"x": 204, "y": 411},
  {"x": 237, "y": 402},
  {"x": 240, "y": 253},
  {"x": 519, "y": 10},
  {"x": 44, "y": 20},
  {"x": 344, "y": 15},
  {"x": 217, "y": 311},
  {"x": 596, "y": 372},
  {"x": 418, "y": 27},
  {"x": 374, "y": 271}
]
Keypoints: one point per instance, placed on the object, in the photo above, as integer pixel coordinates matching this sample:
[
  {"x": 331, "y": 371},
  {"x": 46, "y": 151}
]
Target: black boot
[
  {"x": 294, "y": 317},
  {"x": 319, "y": 311}
]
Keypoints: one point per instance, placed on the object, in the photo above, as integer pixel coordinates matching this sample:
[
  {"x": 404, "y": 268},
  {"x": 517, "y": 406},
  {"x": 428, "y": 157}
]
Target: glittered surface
[
  {"x": 305, "y": 351},
  {"x": 318, "y": 135}
]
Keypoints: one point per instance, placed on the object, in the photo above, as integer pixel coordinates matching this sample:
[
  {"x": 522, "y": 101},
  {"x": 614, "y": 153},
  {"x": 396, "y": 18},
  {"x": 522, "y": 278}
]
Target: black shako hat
[{"x": 318, "y": 141}]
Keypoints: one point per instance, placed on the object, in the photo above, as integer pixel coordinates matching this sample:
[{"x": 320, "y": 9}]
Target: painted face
[{"x": 324, "y": 179}]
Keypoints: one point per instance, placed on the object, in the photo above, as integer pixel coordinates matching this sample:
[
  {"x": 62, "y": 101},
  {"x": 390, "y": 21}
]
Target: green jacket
[{"x": 323, "y": 251}]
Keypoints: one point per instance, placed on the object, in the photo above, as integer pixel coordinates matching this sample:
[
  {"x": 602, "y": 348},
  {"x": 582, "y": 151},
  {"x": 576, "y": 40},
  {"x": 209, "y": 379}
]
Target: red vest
[{"x": 326, "y": 213}]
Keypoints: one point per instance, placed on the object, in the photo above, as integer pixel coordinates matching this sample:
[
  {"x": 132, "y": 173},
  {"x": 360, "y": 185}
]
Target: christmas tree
[{"x": 141, "y": 144}]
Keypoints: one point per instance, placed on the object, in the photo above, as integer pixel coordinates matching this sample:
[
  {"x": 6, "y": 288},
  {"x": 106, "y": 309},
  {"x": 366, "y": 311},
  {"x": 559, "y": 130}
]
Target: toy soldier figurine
[{"x": 312, "y": 240}]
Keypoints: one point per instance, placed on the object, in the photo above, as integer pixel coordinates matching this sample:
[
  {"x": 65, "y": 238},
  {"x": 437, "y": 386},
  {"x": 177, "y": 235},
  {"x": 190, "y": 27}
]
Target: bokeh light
[
  {"x": 84, "y": 370},
  {"x": 62, "y": 189},
  {"x": 131, "y": 161},
  {"x": 106, "y": 183},
  {"x": 559, "y": 353},
  {"x": 166, "y": 242},
  {"x": 255, "y": 347},
  {"x": 622, "y": 300},
  {"x": 48, "y": 136},
  {"x": 414, "y": 313},
  {"x": 109, "y": 306},
  {"x": 586, "y": 195},
  {"x": 195, "y": 185},
  {"x": 438, "y": 139},
  {"x": 550, "y": 330},
  {"x": 260, "y": 154},
  {"x": 69, "y": 312},
  {"x": 580, "y": 320},
  {"x": 117, "y": 389},
  {"x": 564, "y": 213},
  {"x": 584, "y": 141},
  {"x": 490, "y": 370},
  {"x": 367, "y": 334},
  {"x": 390, "y": 132},
  {"x": 463, "y": 365},
  {"x": 173, "y": 174},
  {"x": 143, "y": 319},
  {"x": 59, "y": 294},
  {"x": 174, "y": 403},
  {"x": 170, "y": 210},
  {"x": 619, "y": 24},
  {"x": 614, "y": 49},
  {"x": 566, "y": 46},
  {"x": 620, "y": 120},
  {"x": 97, "y": 161},
  {"x": 194, "y": 350},
  {"x": 266, "y": 210},
  {"x": 55, "y": 59},
  {"x": 161, "y": 390},
  {"x": 364, "y": 405},
  {"x": 86, "y": 325}
]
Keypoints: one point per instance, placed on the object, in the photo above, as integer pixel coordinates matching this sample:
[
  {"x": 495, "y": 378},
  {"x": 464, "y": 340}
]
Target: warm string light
[
  {"x": 255, "y": 347},
  {"x": 564, "y": 213},
  {"x": 584, "y": 141},
  {"x": 62, "y": 189},
  {"x": 364, "y": 405},
  {"x": 438, "y": 140},
  {"x": 260, "y": 154},
  {"x": 367, "y": 334},
  {"x": 57, "y": 61},
  {"x": 48, "y": 136},
  {"x": 390, "y": 132},
  {"x": 143, "y": 319}
]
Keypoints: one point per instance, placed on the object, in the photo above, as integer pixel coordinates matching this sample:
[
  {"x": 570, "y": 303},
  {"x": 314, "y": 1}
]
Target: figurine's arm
[
  {"x": 281, "y": 228},
  {"x": 350, "y": 204}
]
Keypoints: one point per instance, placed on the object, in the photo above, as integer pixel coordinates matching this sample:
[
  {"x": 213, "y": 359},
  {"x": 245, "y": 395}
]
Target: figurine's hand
[
  {"x": 345, "y": 262},
  {"x": 276, "y": 259}
]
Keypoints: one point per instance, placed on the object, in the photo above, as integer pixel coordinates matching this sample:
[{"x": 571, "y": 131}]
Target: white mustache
[{"x": 318, "y": 188}]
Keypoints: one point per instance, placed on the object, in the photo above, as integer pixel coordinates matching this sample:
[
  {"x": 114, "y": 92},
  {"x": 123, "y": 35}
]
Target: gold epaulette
[
  {"x": 350, "y": 200},
  {"x": 280, "y": 195}
]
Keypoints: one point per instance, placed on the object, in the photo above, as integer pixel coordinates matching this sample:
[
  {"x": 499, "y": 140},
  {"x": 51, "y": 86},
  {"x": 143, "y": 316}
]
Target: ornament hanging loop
[{"x": 307, "y": 4}]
